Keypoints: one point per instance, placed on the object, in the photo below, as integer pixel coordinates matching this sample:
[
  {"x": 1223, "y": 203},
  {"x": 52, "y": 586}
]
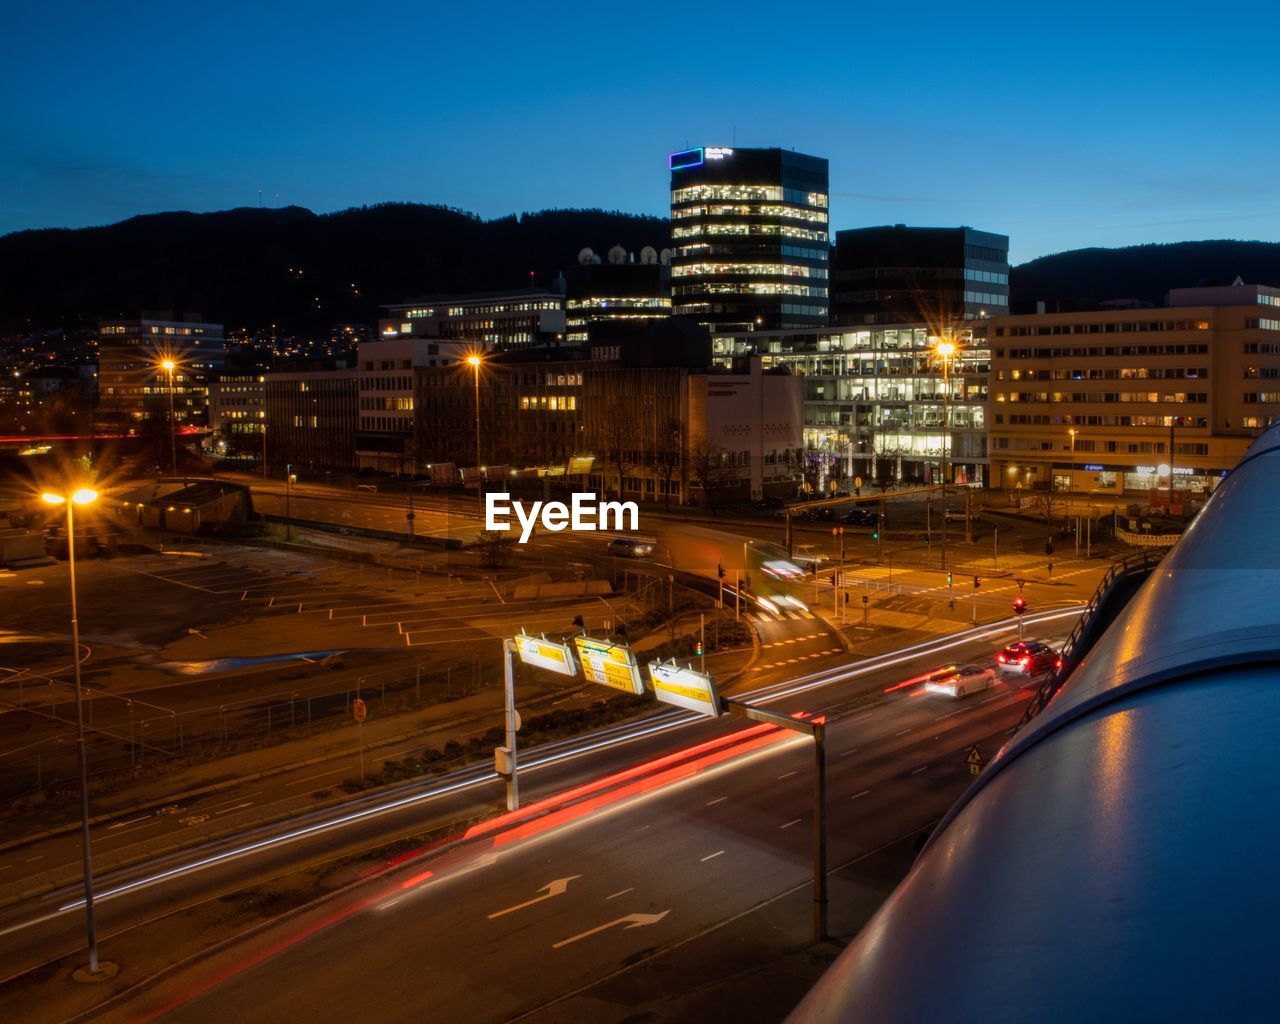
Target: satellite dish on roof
[
  {"x": 617, "y": 255},
  {"x": 665, "y": 257},
  {"x": 648, "y": 255},
  {"x": 586, "y": 256}
]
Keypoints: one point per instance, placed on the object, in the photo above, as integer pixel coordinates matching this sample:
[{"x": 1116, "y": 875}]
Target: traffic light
[
  {"x": 1019, "y": 605},
  {"x": 720, "y": 569},
  {"x": 699, "y": 648},
  {"x": 976, "y": 583},
  {"x": 948, "y": 579}
]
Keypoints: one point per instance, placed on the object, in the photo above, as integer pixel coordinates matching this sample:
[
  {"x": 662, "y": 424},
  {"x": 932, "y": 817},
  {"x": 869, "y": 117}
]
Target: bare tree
[
  {"x": 668, "y": 457},
  {"x": 619, "y": 442},
  {"x": 1049, "y": 505},
  {"x": 711, "y": 470}
]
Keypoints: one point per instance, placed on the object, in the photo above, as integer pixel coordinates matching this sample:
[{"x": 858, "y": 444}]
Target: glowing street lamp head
[
  {"x": 169, "y": 365},
  {"x": 945, "y": 348},
  {"x": 83, "y": 496},
  {"x": 473, "y": 361}
]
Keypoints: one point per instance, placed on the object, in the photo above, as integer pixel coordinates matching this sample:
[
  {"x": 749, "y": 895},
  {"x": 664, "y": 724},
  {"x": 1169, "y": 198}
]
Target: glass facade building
[
  {"x": 750, "y": 238},
  {"x": 898, "y": 274},
  {"x": 873, "y": 398}
]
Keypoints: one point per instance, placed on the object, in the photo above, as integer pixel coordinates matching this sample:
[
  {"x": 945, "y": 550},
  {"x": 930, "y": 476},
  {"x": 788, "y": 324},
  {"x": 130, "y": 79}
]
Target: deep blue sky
[{"x": 1062, "y": 125}]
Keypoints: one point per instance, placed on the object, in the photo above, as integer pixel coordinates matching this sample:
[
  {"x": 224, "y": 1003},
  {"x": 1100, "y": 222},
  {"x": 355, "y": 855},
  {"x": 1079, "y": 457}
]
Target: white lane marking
[
  {"x": 332, "y": 771},
  {"x": 237, "y": 807},
  {"x": 990, "y": 699},
  {"x": 922, "y": 768},
  {"x": 787, "y": 776},
  {"x": 621, "y": 892},
  {"x": 856, "y": 795},
  {"x": 793, "y": 821},
  {"x": 712, "y": 856},
  {"x": 717, "y": 800},
  {"x": 848, "y": 753},
  {"x": 32, "y": 860},
  {"x": 131, "y": 821},
  {"x": 903, "y": 733}
]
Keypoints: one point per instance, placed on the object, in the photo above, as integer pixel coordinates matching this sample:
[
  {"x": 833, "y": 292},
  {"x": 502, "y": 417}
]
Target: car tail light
[
  {"x": 1000, "y": 658},
  {"x": 1058, "y": 663}
]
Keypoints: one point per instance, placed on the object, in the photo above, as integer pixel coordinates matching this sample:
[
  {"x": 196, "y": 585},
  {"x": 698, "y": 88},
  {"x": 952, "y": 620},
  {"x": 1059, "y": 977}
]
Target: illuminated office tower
[{"x": 749, "y": 234}]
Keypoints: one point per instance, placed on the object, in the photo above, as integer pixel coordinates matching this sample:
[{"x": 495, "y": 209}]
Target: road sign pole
[
  {"x": 509, "y": 684},
  {"x": 360, "y": 737},
  {"x": 820, "y": 831},
  {"x": 995, "y": 548},
  {"x": 737, "y": 598},
  {"x": 702, "y": 641}
]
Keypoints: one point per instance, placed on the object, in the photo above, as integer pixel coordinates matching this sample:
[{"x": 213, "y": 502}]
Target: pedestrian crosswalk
[{"x": 796, "y": 660}]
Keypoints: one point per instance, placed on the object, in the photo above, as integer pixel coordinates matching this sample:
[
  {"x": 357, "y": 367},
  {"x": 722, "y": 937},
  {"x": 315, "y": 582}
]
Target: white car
[
  {"x": 956, "y": 515},
  {"x": 960, "y": 681},
  {"x": 808, "y": 555}
]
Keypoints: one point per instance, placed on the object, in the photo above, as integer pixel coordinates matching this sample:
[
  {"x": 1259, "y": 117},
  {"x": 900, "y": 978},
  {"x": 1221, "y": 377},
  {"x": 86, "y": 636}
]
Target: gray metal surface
[{"x": 1115, "y": 861}]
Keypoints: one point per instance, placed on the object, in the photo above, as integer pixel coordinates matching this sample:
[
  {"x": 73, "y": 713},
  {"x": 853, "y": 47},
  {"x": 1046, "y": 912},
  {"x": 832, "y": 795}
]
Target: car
[
  {"x": 861, "y": 517},
  {"x": 1029, "y": 657},
  {"x": 957, "y": 515},
  {"x": 960, "y": 680},
  {"x": 819, "y": 514},
  {"x": 808, "y": 555},
  {"x": 839, "y": 493},
  {"x": 630, "y": 547},
  {"x": 774, "y": 502}
]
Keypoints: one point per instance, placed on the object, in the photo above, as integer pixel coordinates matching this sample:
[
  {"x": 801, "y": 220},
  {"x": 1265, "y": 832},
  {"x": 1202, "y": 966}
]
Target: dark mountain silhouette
[
  {"x": 1083, "y": 278},
  {"x": 299, "y": 270},
  {"x": 306, "y": 272}
]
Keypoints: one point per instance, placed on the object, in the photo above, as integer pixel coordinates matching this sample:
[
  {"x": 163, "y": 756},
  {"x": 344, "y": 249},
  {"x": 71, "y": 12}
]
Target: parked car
[
  {"x": 629, "y": 547},
  {"x": 957, "y": 515},
  {"x": 861, "y": 517},
  {"x": 959, "y": 681},
  {"x": 1028, "y": 657},
  {"x": 774, "y": 502}
]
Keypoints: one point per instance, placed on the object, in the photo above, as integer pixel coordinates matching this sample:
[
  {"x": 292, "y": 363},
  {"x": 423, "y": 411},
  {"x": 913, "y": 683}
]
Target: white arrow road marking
[
  {"x": 550, "y": 890},
  {"x": 630, "y": 921}
]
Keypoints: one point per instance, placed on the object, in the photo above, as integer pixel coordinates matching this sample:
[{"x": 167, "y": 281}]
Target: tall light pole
[
  {"x": 289, "y": 480},
  {"x": 169, "y": 366},
  {"x": 1071, "y": 478},
  {"x": 474, "y": 362},
  {"x": 945, "y": 348},
  {"x": 83, "y": 496}
]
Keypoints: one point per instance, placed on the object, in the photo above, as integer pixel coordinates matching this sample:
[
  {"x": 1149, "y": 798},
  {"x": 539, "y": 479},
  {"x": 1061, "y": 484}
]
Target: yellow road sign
[
  {"x": 975, "y": 761},
  {"x": 546, "y": 654},
  {"x": 609, "y": 664}
]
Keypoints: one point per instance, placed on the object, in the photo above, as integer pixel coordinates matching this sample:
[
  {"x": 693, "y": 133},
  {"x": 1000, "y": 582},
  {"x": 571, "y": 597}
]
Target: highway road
[
  {"x": 37, "y": 930},
  {"x": 516, "y": 919}
]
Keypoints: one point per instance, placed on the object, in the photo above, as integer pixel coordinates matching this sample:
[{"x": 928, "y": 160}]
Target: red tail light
[
  {"x": 1000, "y": 658},
  {"x": 1058, "y": 663}
]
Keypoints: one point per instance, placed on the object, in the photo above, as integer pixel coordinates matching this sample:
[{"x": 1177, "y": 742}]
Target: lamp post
[
  {"x": 289, "y": 480},
  {"x": 169, "y": 366},
  {"x": 83, "y": 496},
  {"x": 474, "y": 362},
  {"x": 1070, "y": 478},
  {"x": 945, "y": 348}
]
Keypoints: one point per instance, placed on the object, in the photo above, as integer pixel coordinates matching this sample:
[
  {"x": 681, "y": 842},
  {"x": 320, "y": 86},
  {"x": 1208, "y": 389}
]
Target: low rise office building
[{"x": 1117, "y": 402}]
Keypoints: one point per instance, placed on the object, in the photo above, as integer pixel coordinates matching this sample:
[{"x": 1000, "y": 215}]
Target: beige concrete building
[{"x": 1093, "y": 401}]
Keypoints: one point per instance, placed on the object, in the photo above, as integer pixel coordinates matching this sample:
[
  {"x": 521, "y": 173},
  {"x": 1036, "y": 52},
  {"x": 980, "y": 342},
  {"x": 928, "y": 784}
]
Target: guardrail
[{"x": 1139, "y": 564}]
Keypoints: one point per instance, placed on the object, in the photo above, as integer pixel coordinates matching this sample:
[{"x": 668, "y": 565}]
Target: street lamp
[
  {"x": 1071, "y": 478},
  {"x": 168, "y": 365},
  {"x": 290, "y": 478},
  {"x": 945, "y": 349},
  {"x": 474, "y": 362},
  {"x": 83, "y": 496}
]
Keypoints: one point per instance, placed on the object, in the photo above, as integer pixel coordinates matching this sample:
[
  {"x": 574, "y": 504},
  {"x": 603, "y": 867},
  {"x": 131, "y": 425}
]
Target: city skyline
[{"x": 1073, "y": 134}]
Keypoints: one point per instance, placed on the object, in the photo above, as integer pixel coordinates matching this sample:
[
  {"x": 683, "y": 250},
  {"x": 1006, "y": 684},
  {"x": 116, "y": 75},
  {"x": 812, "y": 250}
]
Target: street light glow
[
  {"x": 169, "y": 365},
  {"x": 946, "y": 349},
  {"x": 473, "y": 361},
  {"x": 84, "y": 495},
  {"x": 54, "y": 499}
]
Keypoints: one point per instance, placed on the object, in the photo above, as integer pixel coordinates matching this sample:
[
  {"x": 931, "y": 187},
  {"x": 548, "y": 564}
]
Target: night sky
[{"x": 1088, "y": 124}]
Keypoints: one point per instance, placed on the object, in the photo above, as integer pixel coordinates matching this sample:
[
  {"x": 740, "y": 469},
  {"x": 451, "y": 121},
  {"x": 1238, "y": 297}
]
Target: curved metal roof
[{"x": 1115, "y": 860}]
